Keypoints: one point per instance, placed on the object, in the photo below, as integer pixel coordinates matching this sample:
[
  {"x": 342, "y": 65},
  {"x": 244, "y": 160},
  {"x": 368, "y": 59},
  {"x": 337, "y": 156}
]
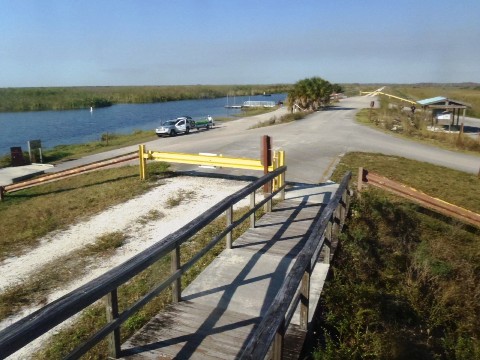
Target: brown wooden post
[
  {"x": 360, "y": 180},
  {"x": 229, "y": 218},
  {"x": 252, "y": 205},
  {"x": 305, "y": 299},
  {"x": 2, "y": 192},
  {"x": 278, "y": 342},
  {"x": 326, "y": 249},
  {"x": 343, "y": 206},
  {"x": 177, "y": 284},
  {"x": 111, "y": 305},
  {"x": 460, "y": 133},
  {"x": 336, "y": 224}
]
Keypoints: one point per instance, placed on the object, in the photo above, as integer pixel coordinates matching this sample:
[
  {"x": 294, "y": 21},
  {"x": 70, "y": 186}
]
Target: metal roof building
[{"x": 449, "y": 106}]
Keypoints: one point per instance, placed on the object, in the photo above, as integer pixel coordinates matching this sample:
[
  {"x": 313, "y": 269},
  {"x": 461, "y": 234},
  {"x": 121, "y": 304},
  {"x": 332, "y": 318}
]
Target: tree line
[{"x": 69, "y": 98}]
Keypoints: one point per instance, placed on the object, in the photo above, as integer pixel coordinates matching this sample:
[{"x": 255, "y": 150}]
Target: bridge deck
[{"x": 225, "y": 303}]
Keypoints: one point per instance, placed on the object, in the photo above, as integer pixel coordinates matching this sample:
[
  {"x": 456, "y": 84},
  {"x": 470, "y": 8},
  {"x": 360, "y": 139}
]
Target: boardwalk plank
[{"x": 224, "y": 304}]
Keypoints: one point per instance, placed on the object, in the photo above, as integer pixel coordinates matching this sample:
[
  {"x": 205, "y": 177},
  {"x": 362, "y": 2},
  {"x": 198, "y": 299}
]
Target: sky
[{"x": 184, "y": 42}]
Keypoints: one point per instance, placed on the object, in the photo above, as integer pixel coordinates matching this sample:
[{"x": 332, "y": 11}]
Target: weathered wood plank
[{"x": 225, "y": 304}]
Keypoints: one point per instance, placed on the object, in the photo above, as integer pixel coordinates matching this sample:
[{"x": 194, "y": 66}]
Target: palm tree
[{"x": 310, "y": 94}]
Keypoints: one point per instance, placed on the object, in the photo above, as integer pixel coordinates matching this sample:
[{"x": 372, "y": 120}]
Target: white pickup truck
[{"x": 183, "y": 125}]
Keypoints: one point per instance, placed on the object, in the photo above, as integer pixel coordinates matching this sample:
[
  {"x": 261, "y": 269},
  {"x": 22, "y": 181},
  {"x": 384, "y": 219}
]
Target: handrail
[
  {"x": 36, "y": 324},
  {"x": 276, "y": 319},
  {"x": 438, "y": 205},
  {"x": 66, "y": 173}
]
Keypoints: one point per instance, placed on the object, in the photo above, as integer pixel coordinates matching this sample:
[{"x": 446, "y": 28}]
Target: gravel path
[{"x": 123, "y": 217}]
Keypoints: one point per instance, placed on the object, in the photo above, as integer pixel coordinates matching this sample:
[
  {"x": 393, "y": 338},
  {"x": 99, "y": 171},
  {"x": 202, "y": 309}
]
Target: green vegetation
[
  {"x": 56, "y": 273},
  {"x": 252, "y": 111},
  {"x": 466, "y": 93},
  {"x": 27, "y": 215},
  {"x": 67, "y": 98},
  {"x": 152, "y": 215},
  {"x": 405, "y": 281},
  {"x": 311, "y": 94},
  {"x": 282, "y": 119},
  {"x": 108, "y": 141},
  {"x": 94, "y": 317},
  {"x": 391, "y": 118},
  {"x": 175, "y": 200}
]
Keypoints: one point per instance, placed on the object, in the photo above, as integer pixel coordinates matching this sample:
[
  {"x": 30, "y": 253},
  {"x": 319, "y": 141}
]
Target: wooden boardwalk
[{"x": 225, "y": 303}]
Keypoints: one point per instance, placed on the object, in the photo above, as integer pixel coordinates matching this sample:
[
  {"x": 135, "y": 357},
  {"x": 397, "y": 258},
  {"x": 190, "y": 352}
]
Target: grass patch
[
  {"x": 177, "y": 199},
  {"x": 28, "y": 215},
  {"x": 108, "y": 141},
  {"x": 252, "y": 111},
  {"x": 404, "y": 283},
  {"x": 453, "y": 186},
  {"x": 94, "y": 317},
  {"x": 152, "y": 215},
  {"x": 393, "y": 120},
  {"x": 57, "y": 273},
  {"x": 465, "y": 93},
  {"x": 281, "y": 120}
]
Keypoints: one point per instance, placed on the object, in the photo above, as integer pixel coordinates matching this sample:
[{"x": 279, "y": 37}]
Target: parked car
[{"x": 176, "y": 126}]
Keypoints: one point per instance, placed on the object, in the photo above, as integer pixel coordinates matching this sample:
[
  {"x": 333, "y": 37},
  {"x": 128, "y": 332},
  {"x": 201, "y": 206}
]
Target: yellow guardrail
[
  {"x": 389, "y": 95},
  {"x": 214, "y": 160}
]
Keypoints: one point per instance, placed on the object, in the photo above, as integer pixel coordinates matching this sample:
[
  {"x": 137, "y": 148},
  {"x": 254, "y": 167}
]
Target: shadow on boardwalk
[{"x": 222, "y": 307}]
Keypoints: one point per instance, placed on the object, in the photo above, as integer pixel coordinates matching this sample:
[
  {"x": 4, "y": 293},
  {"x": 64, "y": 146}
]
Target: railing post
[
  {"x": 252, "y": 205},
  {"x": 335, "y": 225},
  {"x": 275, "y": 181},
  {"x": 328, "y": 242},
  {"x": 360, "y": 180},
  {"x": 177, "y": 284},
  {"x": 305, "y": 299},
  {"x": 278, "y": 342},
  {"x": 229, "y": 217},
  {"x": 268, "y": 205},
  {"x": 111, "y": 304}
]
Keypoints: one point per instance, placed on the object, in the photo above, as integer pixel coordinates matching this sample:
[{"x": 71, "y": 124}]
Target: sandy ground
[{"x": 123, "y": 217}]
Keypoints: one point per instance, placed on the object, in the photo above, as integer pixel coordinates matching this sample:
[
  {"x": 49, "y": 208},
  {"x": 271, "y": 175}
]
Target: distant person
[{"x": 210, "y": 120}]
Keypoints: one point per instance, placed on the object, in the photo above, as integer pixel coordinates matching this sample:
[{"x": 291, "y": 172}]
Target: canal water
[{"x": 80, "y": 126}]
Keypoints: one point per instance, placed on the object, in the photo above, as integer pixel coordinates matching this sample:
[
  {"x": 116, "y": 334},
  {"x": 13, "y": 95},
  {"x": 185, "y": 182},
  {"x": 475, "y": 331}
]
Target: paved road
[{"x": 312, "y": 145}]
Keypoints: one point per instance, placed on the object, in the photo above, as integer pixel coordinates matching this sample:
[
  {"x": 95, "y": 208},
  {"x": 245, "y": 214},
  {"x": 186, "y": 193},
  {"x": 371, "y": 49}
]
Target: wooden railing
[
  {"x": 38, "y": 323},
  {"x": 440, "y": 206},
  {"x": 296, "y": 286},
  {"x": 66, "y": 173}
]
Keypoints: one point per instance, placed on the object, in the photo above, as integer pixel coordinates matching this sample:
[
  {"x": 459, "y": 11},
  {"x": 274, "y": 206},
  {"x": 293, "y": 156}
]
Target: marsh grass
[
  {"x": 65, "y": 98},
  {"x": 28, "y": 215},
  {"x": 404, "y": 280}
]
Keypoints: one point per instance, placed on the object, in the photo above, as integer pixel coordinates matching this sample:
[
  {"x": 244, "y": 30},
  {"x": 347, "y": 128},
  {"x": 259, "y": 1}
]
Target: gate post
[
  {"x": 266, "y": 159},
  {"x": 143, "y": 162}
]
